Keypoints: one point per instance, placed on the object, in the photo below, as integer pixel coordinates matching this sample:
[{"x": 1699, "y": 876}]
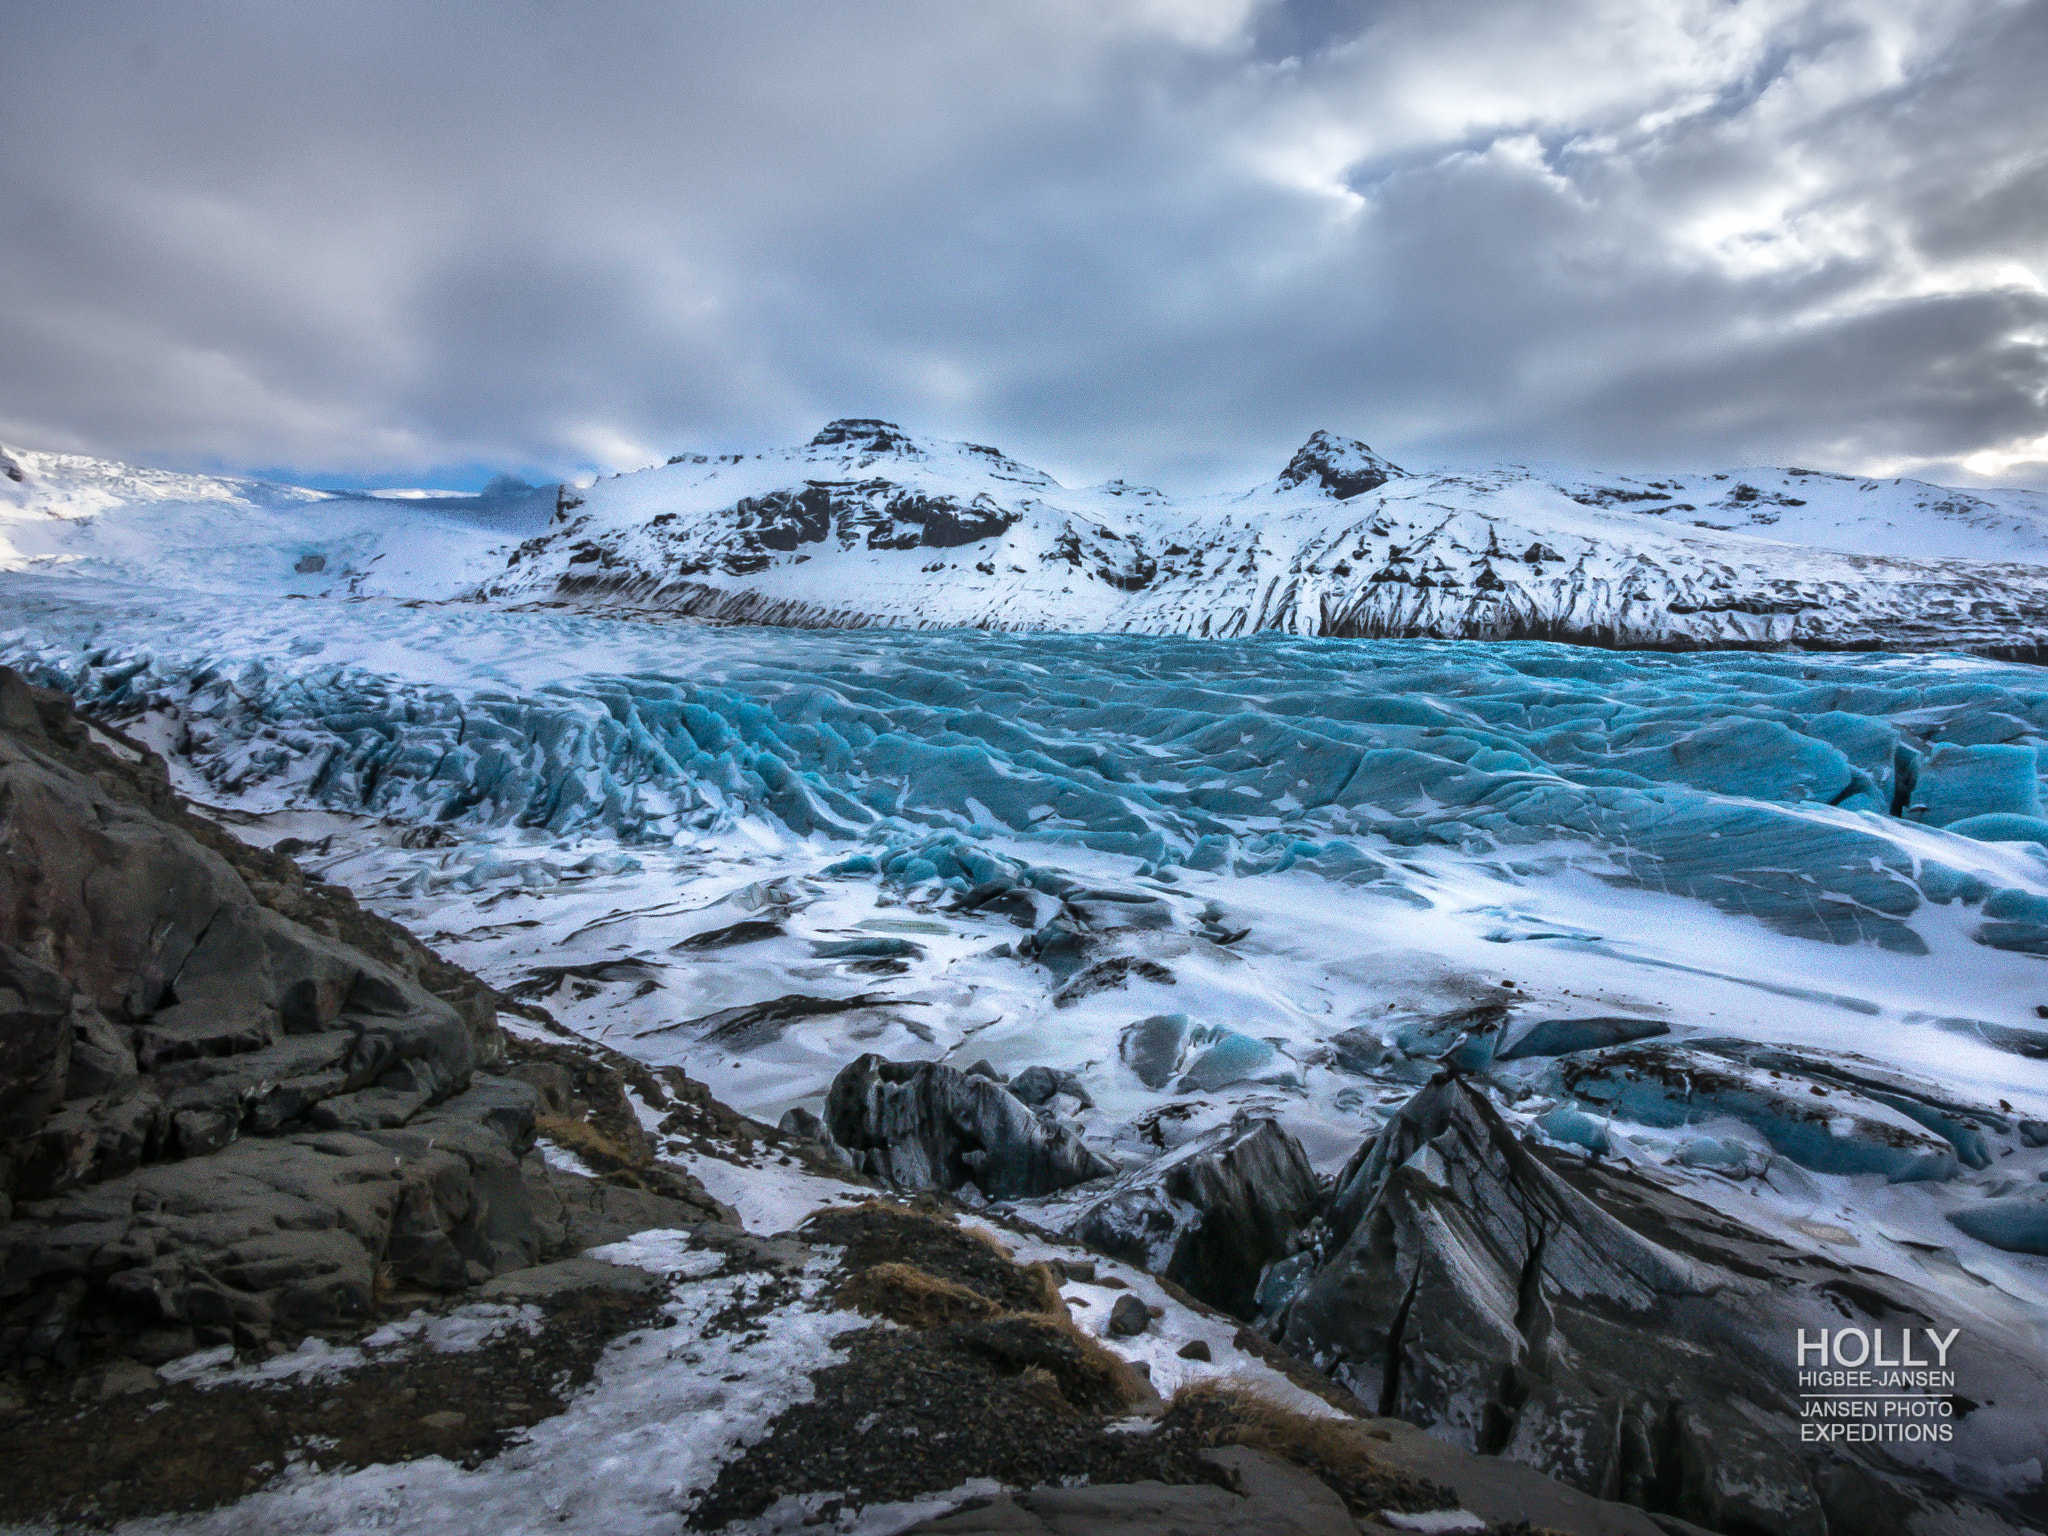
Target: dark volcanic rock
[
  {"x": 219, "y": 1124},
  {"x": 1343, "y": 466},
  {"x": 276, "y": 1236},
  {"x": 864, "y": 432},
  {"x": 37, "y": 725},
  {"x": 193, "y": 1013},
  {"x": 801, "y": 1124},
  {"x": 1590, "y": 1321},
  {"x": 35, "y": 1042},
  {"x": 874, "y": 513},
  {"x": 1036, "y": 1086},
  {"x": 941, "y": 522},
  {"x": 922, "y": 1125},
  {"x": 1128, "y": 1318},
  {"x": 1265, "y": 1497},
  {"x": 1211, "y": 1215}
]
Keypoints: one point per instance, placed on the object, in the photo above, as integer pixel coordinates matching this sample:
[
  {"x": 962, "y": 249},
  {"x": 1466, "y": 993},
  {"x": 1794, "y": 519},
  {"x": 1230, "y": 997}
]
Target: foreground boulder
[
  {"x": 924, "y": 1125},
  {"x": 276, "y": 1237},
  {"x": 163, "y": 1010},
  {"x": 1211, "y": 1215},
  {"x": 1586, "y": 1319}
]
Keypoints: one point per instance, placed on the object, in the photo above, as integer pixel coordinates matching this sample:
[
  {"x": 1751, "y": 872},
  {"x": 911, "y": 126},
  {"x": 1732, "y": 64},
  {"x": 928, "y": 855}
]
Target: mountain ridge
[{"x": 867, "y": 524}]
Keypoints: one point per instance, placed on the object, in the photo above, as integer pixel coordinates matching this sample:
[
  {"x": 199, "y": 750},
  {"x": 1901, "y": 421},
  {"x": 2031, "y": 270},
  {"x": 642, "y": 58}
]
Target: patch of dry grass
[
  {"x": 1029, "y": 1329},
  {"x": 1047, "y": 1285},
  {"x": 990, "y": 1241},
  {"x": 598, "y": 1151},
  {"x": 1339, "y": 1451},
  {"x": 1131, "y": 1386},
  {"x": 905, "y": 1294}
]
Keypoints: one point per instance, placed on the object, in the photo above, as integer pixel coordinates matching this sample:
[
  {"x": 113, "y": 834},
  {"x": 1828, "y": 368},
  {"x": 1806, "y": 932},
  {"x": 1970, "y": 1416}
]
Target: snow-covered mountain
[
  {"x": 867, "y": 525},
  {"x": 66, "y": 513}
]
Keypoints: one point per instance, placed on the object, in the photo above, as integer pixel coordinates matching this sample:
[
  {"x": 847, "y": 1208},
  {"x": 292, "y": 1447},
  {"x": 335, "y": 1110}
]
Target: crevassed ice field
[{"x": 1287, "y": 838}]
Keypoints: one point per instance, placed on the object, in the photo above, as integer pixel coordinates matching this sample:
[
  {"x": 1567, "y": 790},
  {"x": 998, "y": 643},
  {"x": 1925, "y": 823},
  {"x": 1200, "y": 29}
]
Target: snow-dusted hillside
[
  {"x": 63, "y": 513},
  {"x": 1856, "y": 515},
  {"x": 866, "y": 525}
]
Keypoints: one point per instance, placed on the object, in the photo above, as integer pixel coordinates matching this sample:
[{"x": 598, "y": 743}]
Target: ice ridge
[{"x": 1808, "y": 792}]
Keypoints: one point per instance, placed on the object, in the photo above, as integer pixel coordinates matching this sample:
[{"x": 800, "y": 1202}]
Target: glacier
[
  {"x": 1813, "y": 793},
  {"x": 83, "y": 517},
  {"x": 1101, "y": 830},
  {"x": 1768, "y": 922}
]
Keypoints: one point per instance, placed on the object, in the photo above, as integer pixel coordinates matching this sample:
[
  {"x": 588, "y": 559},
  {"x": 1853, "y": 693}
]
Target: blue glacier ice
[
  {"x": 1964, "y": 783},
  {"x": 2002, "y": 827},
  {"x": 1574, "y": 1127},
  {"x": 1562, "y": 1037},
  {"x": 1227, "y": 1057},
  {"x": 1803, "y": 790},
  {"x": 2017, "y": 1224},
  {"x": 1730, "y": 1154},
  {"x": 1834, "y": 1128}
]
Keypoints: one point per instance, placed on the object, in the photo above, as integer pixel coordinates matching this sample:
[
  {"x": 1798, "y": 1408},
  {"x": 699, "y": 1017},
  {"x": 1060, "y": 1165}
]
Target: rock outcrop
[
  {"x": 1590, "y": 1321},
  {"x": 1340, "y": 543},
  {"x": 1343, "y": 466},
  {"x": 924, "y": 1125},
  {"x": 1211, "y": 1215},
  {"x": 232, "y": 1105}
]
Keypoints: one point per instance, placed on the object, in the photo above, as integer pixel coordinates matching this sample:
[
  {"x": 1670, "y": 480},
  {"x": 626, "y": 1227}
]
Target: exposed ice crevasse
[{"x": 1759, "y": 783}]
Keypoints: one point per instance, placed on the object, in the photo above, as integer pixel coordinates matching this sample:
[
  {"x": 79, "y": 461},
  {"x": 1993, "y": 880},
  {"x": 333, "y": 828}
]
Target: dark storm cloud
[{"x": 1155, "y": 237}]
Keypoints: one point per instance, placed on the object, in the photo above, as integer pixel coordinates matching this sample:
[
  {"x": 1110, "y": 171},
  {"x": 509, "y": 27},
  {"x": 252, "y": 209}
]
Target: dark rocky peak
[
  {"x": 1343, "y": 466},
  {"x": 863, "y": 434},
  {"x": 9, "y": 468}
]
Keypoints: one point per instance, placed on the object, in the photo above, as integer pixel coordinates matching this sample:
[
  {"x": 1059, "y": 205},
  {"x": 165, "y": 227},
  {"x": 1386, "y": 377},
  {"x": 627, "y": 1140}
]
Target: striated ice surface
[{"x": 1807, "y": 792}]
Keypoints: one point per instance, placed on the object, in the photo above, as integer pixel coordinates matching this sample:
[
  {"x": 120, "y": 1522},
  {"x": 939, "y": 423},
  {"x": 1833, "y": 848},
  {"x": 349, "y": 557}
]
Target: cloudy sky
[{"x": 389, "y": 242}]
